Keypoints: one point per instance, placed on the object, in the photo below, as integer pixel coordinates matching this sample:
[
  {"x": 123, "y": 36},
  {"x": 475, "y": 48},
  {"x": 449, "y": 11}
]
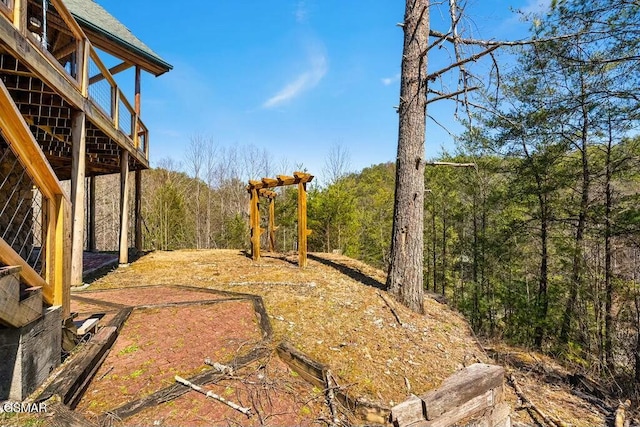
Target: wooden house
[{"x": 63, "y": 116}]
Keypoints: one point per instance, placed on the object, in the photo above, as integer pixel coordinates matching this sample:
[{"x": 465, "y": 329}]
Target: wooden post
[
  {"x": 254, "y": 219},
  {"x": 138, "y": 211},
  {"x": 137, "y": 89},
  {"x": 272, "y": 224},
  {"x": 137, "y": 106},
  {"x": 91, "y": 219},
  {"x": 20, "y": 15},
  {"x": 124, "y": 207},
  {"x": 302, "y": 224},
  {"x": 78, "y": 135}
]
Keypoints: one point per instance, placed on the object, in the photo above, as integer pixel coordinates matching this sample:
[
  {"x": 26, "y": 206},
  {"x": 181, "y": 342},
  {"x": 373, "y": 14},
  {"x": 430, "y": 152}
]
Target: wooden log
[
  {"x": 124, "y": 207},
  {"x": 172, "y": 392},
  {"x": 76, "y": 374},
  {"x": 467, "y": 409},
  {"x": 465, "y": 385},
  {"x": 408, "y": 412},
  {"x": 212, "y": 395},
  {"x": 78, "y": 169}
]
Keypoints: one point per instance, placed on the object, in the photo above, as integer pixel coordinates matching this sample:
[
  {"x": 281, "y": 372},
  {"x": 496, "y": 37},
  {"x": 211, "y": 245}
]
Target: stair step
[
  {"x": 9, "y": 283},
  {"x": 10, "y": 270},
  {"x": 19, "y": 305}
]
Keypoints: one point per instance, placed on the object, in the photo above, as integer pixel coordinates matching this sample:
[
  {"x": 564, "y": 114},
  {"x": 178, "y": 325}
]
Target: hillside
[{"x": 333, "y": 312}]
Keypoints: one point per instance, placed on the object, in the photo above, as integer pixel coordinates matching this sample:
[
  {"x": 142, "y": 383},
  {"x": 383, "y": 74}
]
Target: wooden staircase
[{"x": 19, "y": 304}]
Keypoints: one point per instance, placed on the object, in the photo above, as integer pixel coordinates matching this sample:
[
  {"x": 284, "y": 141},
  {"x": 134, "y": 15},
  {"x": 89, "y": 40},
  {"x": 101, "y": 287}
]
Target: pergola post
[
  {"x": 260, "y": 188},
  {"x": 272, "y": 224},
  {"x": 78, "y": 165},
  {"x": 302, "y": 224},
  {"x": 124, "y": 207},
  {"x": 254, "y": 219}
]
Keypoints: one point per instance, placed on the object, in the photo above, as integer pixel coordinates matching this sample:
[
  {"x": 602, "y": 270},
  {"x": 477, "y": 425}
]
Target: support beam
[
  {"x": 138, "y": 211},
  {"x": 124, "y": 208},
  {"x": 254, "y": 219},
  {"x": 91, "y": 218},
  {"x": 272, "y": 224},
  {"x": 302, "y": 224},
  {"x": 78, "y": 165}
]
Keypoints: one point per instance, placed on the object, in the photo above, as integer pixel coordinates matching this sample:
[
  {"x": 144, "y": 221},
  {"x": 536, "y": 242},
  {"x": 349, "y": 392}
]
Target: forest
[{"x": 538, "y": 243}]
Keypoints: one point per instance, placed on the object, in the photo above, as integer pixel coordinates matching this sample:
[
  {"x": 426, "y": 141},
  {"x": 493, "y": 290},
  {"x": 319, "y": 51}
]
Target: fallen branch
[
  {"x": 620, "y": 415},
  {"x": 246, "y": 411},
  {"x": 223, "y": 369},
  {"x": 393, "y": 310},
  {"x": 531, "y": 406},
  {"x": 331, "y": 397}
]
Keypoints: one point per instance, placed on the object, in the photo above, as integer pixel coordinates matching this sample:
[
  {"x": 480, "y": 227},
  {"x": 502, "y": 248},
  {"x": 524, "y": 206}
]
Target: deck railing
[
  {"x": 33, "y": 231},
  {"x": 77, "y": 61}
]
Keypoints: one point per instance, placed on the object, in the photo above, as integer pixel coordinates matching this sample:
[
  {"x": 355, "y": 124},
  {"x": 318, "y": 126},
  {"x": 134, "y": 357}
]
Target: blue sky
[{"x": 291, "y": 76}]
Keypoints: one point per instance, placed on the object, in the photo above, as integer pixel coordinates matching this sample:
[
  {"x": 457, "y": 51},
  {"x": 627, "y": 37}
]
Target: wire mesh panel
[
  {"x": 22, "y": 212},
  {"x": 125, "y": 121},
  {"x": 100, "y": 91}
]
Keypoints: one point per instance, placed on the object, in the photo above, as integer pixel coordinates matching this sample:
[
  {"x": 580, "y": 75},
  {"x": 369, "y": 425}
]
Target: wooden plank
[
  {"x": 408, "y": 412},
  {"x": 88, "y": 325},
  {"x": 70, "y": 380},
  {"x": 466, "y": 409},
  {"x": 312, "y": 371},
  {"x": 16, "y": 313},
  {"x": 270, "y": 182},
  {"x": 463, "y": 386},
  {"x": 123, "y": 66},
  {"x": 9, "y": 256}
]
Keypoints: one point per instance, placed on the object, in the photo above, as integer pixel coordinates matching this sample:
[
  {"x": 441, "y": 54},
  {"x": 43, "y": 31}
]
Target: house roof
[{"x": 94, "y": 18}]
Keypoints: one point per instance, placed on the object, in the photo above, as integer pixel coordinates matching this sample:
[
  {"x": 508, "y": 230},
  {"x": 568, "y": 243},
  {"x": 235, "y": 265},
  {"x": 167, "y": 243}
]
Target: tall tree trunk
[
  {"x": 543, "y": 299},
  {"x": 444, "y": 251},
  {"x": 608, "y": 268},
  {"x": 578, "y": 258},
  {"x": 405, "y": 272}
]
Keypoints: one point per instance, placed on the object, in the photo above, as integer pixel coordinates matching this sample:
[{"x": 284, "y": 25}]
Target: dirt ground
[{"x": 333, "y": 311}]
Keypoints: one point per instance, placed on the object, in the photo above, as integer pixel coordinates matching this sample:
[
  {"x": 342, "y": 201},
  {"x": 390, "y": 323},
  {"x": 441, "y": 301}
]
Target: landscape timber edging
[
  {"x": 75, "y": 375},
  {"x": 316, "y": 373},
  {"x": 475, "y": 391}
]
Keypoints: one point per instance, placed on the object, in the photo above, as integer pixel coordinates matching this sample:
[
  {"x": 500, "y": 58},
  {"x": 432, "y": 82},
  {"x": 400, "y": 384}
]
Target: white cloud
[
  {"x": 536, "y": 7},
  {"x": 302, "y": 83},
  {"x": 389, "y": 80},
  {"x": 301, "y": 11}
]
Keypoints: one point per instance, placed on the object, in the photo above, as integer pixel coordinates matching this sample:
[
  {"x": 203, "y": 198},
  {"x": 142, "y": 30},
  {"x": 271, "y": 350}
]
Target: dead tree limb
[
  {"x": 393, "y": 310},
  {"x": 620, "y": 415},
  {"x": 331, "y": 397},
  {"x": 246, "y": 411},
  {"x": 452, "y": 164},
  {"x": 527, "y": 403}
]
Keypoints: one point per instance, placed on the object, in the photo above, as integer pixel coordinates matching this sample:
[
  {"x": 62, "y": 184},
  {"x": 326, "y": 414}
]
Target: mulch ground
[{"x": 171, "y": 332}]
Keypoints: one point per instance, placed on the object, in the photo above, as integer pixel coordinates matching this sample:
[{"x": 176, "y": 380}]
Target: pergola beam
[{"x": 261, "y": 188}]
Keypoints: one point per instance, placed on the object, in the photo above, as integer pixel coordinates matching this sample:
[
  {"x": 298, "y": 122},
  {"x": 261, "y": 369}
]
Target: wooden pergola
[{"x": 262, "y": 188}]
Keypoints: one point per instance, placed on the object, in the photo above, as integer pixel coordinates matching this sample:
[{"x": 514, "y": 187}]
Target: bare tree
[
  {"x": 195, "y": 157},
  {"x": 337, "y": 163}
]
